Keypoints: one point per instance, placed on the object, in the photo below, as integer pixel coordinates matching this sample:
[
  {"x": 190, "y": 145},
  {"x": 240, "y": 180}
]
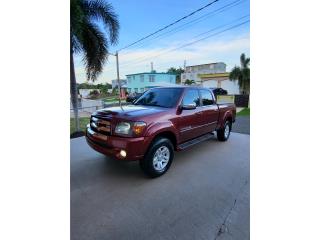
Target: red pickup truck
[{"x": 161, "y": 121}]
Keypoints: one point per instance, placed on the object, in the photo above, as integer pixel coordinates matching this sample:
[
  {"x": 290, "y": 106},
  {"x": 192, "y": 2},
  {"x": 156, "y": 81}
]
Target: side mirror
[{"x": 190, "y": 106}]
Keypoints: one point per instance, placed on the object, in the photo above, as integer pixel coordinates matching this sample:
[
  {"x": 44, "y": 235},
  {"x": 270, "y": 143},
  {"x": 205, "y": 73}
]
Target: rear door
[
  {"x": 190, "y": 120},
  {"x": 210, "y": 111}
]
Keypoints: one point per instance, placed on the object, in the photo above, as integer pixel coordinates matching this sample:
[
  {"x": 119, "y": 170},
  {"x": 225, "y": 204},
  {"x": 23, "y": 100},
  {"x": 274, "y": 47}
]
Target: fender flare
[{"x": 161, "y": 127}]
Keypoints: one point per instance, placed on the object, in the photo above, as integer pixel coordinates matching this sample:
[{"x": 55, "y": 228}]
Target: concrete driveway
[{"x": 204, "y": 195}]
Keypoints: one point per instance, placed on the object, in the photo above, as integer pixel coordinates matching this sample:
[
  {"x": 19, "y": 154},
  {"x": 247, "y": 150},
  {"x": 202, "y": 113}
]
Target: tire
[
  {"x": 224, "y": 133},
  {"x": 158, "y": 158}
]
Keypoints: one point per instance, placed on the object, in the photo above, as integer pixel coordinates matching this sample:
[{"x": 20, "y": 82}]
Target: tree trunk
[{"x": 74, "y": 91}]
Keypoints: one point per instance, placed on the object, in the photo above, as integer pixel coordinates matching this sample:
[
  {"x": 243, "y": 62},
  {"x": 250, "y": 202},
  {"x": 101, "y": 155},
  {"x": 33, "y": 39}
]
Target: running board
[{"x": 195, "y": 141}]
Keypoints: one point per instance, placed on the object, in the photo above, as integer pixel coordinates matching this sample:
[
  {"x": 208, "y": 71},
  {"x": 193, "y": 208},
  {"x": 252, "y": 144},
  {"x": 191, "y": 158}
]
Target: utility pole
[
  {"x": 151, "y": 66},
  {"x": 118, "y": 77}
]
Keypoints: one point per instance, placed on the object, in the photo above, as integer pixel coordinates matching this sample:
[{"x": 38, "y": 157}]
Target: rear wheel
[
  {"x": 224, "y": 133},
  {"x": 158, "y": 158}
]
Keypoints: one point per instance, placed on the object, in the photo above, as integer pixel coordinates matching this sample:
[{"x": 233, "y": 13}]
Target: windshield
[{"x": 161, "y": 97}]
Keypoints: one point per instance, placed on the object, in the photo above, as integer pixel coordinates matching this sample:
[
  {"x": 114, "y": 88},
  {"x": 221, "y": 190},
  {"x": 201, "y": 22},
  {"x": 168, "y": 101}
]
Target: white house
[
  {"x": 84, "y": 93},
  {"x": 192, "y": 72},
  {"x": 220, "y": 80}
]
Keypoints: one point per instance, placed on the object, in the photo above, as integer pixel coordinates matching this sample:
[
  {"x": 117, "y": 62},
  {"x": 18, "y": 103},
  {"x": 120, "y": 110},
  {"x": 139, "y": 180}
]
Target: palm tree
[
  {"x": 242, "y": 74},
  {"x": 90, "y": 40}
]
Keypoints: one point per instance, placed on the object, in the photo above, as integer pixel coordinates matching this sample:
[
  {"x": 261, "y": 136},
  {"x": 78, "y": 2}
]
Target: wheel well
[
  {"x": 229, "y": 118},
  {"x": 170, "y": 136}
]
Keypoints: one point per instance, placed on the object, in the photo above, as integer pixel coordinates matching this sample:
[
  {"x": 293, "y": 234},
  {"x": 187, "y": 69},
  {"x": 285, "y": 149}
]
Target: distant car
[
  {"x": 219, "y": 91},
  {"x": 133, "y": 97}
]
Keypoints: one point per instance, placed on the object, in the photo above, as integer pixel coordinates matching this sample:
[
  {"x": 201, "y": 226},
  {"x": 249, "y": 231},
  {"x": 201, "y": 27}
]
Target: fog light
[{"x": 123, "y": 153}]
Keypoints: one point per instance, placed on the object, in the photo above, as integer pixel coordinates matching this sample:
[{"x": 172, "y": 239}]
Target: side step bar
[{"x": 195, "y": 141}]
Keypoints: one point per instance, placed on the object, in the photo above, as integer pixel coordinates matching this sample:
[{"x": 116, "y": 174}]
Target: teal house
[{"x": 140, "y": 82}]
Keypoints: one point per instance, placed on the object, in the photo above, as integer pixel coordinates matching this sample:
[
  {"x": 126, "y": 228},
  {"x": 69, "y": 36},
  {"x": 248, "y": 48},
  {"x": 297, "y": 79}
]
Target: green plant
[
  {"x": 88, "y": 38},
  {"x": 242, "y": 74},
  {"x": 189, "y": 82},
  {"x": 177, "y": 72}
]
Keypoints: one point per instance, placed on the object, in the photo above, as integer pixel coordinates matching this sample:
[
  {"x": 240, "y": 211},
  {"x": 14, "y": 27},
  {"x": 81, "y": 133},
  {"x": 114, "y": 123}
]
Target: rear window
[
  {"x": 207, "y": 98},
  {"x": 160, "y": 97}
]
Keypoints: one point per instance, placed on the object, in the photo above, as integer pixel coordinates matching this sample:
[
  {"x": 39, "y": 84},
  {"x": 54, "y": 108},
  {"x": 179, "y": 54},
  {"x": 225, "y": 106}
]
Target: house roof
[
  {"x": 204, "y": 64},
  {"x": 163, "y": 84},
  {"x": 151, "y": 73}
]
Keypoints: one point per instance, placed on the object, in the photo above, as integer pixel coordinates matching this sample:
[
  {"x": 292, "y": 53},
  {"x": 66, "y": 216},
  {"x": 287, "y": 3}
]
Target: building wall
[
  {"x": 230, "y": 86},
  {"x": 139, "y": 82},
  {"x": 192, "y": 72}
]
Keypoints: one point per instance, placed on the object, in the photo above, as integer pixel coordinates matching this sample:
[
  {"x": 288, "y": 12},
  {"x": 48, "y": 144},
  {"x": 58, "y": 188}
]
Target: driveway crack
[{"x": 223, "y": 227}]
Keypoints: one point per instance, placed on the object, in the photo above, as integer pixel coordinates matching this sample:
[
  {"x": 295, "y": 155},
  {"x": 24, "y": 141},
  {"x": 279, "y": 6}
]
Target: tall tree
[
  {"x": 242, "y": 74},
  {"x": 176, "y": 71},
  {"x": 90, "y": 40}
]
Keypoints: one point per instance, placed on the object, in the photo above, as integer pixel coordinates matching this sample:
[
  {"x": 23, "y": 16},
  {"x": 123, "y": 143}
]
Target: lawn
[
  {"x": 83, "y": 123},
  {"x": 244, "y": 112},
  {"x": 113, "y": 100}
]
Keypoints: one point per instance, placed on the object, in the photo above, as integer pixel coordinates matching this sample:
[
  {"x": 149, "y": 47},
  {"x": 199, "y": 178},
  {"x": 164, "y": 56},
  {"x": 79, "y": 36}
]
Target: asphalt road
[
  {"x": 242, "y": 125},
  {"x": 204, "y": 195}
]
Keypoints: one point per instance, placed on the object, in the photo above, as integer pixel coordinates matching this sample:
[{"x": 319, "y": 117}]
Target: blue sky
[{"x": 141, "y": 17}]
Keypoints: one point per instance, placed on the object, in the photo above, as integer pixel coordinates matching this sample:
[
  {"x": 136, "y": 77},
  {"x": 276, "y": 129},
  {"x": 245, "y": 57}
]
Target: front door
[
  {"x": 190, "y": 120},
  {"x": 210, "y": 112}
]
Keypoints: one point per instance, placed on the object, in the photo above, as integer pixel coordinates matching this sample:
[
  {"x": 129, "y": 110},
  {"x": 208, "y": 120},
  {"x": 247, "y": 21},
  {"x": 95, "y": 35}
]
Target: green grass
[
  {"x": 113, "y": 100},
  {"x": 83, "y": 123},
  {"x": 244, "y": 112}
]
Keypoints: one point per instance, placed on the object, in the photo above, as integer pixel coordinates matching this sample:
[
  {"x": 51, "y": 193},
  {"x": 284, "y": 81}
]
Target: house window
[
  {"x": 134, "y": 77},
  {"x": 136, "y": 90},
  {"x": 129, "y": 79},
  {"x": 129, "y": 90},
  {"x": 141, "y": 78},
  {"x": 171, "y": 79},
  {"x": 151, "y": 78},
  {"x": 141, "y": 90}
]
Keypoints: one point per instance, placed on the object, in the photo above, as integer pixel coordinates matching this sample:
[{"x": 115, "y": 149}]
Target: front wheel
[
  {"x": 224, "y": 133},
  {"x": 158, "y": 158}
]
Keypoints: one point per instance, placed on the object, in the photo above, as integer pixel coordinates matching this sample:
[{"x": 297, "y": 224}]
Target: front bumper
[{"x": 112, "y": 145}]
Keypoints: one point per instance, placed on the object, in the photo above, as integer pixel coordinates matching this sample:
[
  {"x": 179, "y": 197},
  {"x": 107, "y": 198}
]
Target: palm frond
[
  {"x": 235, "y": 73},
  {"x": 102, "y": 11},
  {"x": 95, "y": 48}
]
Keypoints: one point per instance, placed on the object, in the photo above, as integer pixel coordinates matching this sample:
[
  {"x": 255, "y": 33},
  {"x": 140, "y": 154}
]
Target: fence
[
  {"x": 86, "y": 107},
  {"x": 241, "y": 100},
  {"x": 238, "y": 100}
]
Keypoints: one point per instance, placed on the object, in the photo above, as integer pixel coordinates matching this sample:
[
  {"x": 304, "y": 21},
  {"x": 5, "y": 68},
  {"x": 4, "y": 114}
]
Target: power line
[
  {"x": 194, "y": 21},
  {"x": 134, "y": 62},
  {"x": 167, "y": 26}
]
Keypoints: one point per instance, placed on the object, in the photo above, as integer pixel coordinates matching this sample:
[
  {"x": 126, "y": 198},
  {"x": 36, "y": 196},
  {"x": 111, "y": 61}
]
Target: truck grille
[{"x": 100, "y": 125}]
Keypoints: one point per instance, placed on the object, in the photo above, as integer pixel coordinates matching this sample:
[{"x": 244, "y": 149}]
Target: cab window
[
  {"x": 191, "y": 96},
  {"x": 207, "y": 98}
]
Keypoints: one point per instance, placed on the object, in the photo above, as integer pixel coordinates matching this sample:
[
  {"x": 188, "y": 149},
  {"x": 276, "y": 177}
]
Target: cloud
[{"x": 138, "y": 60}]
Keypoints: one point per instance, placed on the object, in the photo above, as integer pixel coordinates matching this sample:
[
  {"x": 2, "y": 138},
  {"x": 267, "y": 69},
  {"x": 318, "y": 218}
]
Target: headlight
[
  {"x": 123, "y": 128},
  {"x": 131, "y": 129}
]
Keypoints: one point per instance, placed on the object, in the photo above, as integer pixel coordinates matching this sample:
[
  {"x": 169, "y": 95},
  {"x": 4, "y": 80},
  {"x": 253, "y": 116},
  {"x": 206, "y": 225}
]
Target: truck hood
[{"x": 129, "y": 112}]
